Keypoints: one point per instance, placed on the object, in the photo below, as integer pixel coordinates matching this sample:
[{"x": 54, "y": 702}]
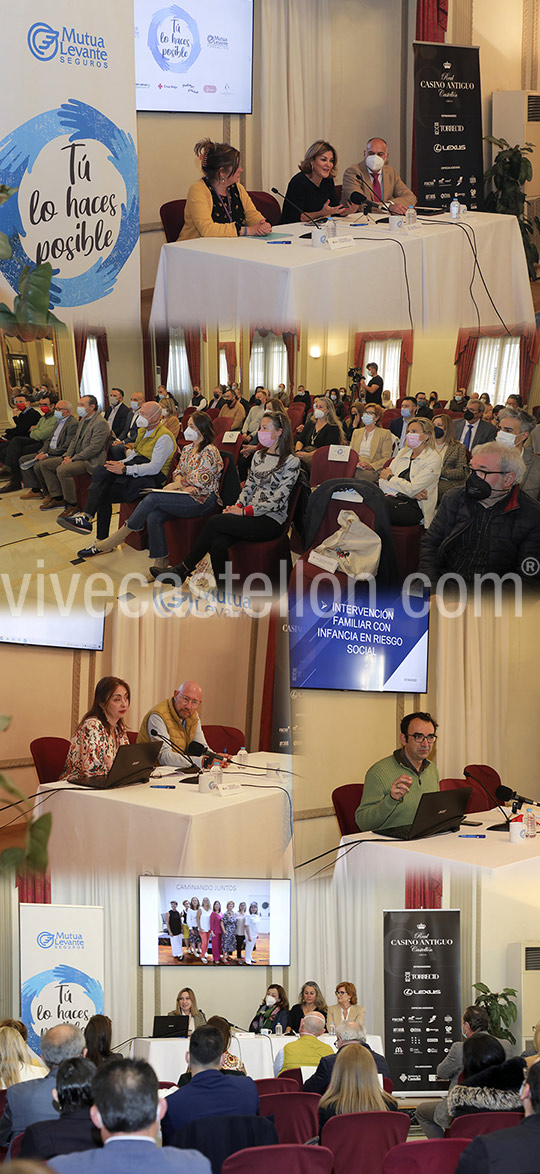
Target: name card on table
[{"x": 340, "y": 242}]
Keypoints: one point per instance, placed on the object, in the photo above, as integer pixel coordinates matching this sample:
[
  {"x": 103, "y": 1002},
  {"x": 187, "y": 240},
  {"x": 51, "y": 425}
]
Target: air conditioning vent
[
  {"x": 533, "y": 107},
  {"x": 532, "y": 957}
]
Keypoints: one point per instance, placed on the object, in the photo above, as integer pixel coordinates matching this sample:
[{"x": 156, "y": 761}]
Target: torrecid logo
[
  {"x": 71, "y": 46},
  {"x": 45, "y": 939}
]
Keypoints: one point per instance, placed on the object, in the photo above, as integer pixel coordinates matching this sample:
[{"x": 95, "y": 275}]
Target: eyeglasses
[
  {"x": 431, "y": 738},
  {"x": 487, "y": 472},
  {"x": 194, "y": 701}
]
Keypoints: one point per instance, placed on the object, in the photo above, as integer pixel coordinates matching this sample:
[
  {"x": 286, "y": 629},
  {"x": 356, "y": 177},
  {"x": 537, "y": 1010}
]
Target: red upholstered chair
[
  {"x": 212, "y": 412},
  {"x": 233, "y": 448},
  {"x": 329, "y": 525},
  {"x": 165, "y": 1083},
  {"x": 339, "y": 189},
  {"x": 16, "y": 1146},
  {"x": 417, "y": 1157},
  {"x": 172, "y": 219},
  {"x": 292, "y": 1159},
  {"x": 132, "y": 735},
  {"x": 323, "y": 469},
  {"x": 222, "y": 424},
  {"x": 224, "y": 738},
  {"x": 536, "y": 412},
  {"x": 82, "y": 483},
  {"x": 295, "y": 1118},
  {"x": 490, "y": 778},
  {"x": 295, "y": 413},
  {"x": 271, "y": 1084},
  {"x": 471, "y": 1125},
  {"x": 346, "y": 799},
  {"x": 3, "y": 1099},
  {"x": 188, "y": 412},
  {"x": 407, "y": 541},
  {"x": 388, "y": 415},
  {"x": 388, "y": 1085},
  {"x": 372, "y": 1134},
  {"x": 296, "y": 1075},
  {"x": 477, "y": 802},
  {"x": 265, "y": 558},
  {"x": 267, "y": 205},
  {"x": 49, "y": 756}
]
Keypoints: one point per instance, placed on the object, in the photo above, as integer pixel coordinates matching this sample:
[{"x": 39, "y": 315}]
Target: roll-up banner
[
  {"x": 448, "y": 125},
  {"x": 67, "y": 145},
  {"x": 422, "y": 1009},
  {"x": 61, "y": 951}
]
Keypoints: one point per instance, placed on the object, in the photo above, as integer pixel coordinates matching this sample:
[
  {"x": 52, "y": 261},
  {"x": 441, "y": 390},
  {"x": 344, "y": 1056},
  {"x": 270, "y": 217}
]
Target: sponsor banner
[
  {"x": 422, "y": 1010},
  {"x": 61, "y": 956},
  {"x": 196, "y": 58},
  {"x": 67, "y": 144},
  {"x": 448, "y": 125}
]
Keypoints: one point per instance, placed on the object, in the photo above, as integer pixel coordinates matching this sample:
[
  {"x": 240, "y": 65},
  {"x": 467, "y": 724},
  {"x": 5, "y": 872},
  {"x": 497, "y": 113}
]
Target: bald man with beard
[{"x": 176, "y": 720}]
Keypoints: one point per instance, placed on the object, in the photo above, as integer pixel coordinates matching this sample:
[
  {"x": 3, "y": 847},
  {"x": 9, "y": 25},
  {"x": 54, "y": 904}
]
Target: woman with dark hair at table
[
  {"x": 274, "y": 1009},
  {"x": 489, "y": 1081},
  {"x": 100, "y": 732},
  {"x": 218, "y": 205},
  {"x": 98, "y": 1039},
  {"x": 311, "y": 192}
]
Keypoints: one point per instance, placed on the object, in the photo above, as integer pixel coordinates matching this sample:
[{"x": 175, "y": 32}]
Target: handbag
[{"x": 354, "y": 549}]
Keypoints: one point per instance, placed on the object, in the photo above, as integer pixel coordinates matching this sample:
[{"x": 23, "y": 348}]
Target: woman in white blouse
[
  {"x": 346, "y": 1010},
  {"x": 372, "y": 443},
  {"x": 411, "y": 480}
]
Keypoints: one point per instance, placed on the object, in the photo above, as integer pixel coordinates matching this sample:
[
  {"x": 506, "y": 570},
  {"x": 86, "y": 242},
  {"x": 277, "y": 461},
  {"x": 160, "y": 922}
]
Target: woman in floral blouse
[
  {"x": 194, "y": 491},
  {"x": 101, "y": 731}
]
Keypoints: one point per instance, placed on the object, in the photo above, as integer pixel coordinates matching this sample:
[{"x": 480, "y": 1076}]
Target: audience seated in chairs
[
  {"x": 210, "y": 1092},
  {"x": 31, "y": 1100},
  {"x": 73, "y": 1129},
  {"x": 514, "y": 1149},
  {"x": 489, "y": 1081},
  {"x": 169, "y": 415},
  {"x": 455, "y": 466},
  {"x": 98, "y": 1039},
  {"x": 354, "y": 1086},
  {"x": 16, "y": 1061},
  {"x": 322, "y": 428},
  {"x": 86, "y": 451}
]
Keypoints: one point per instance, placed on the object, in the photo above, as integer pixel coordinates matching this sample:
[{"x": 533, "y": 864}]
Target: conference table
[
  {"x": 257, "y": 1052},
  {"x": 101, "y": 841},
  {"x": 414, "y": 279}
]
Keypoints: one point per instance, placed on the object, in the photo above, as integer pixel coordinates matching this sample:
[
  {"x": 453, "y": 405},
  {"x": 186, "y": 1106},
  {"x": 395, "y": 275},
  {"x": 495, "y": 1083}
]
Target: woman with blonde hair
[
  {"x": 372, "y": 442},
  {"x": 218, "y": 205},
  {"x": 311, "y": 192},
  {"x": 186, "y": 1004},
  {"x": 455, "y": 469},
  {"x": 411, "y": 480},
  {"x": 169, "y": 415},
  {"x": 320, "y": 429},
  {"x": 15, "y": 1060},
  {"x": 310, "y": 999},
  {"x": 354, "y": 1086}
]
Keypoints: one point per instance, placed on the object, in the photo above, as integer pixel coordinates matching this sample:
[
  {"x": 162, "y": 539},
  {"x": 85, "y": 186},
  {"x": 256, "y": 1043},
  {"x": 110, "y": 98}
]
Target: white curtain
[
  {"x": 295, "y": 84},
  {"x": 496, "y": 368},
  {"x": 178, "y": 380},
  {"x": 91, "y": 382},
  {"x": 386, "y": 353},
  {"x": 268, "y": 362}
]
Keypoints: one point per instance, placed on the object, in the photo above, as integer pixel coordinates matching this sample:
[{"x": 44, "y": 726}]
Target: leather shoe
[
  {"x": 52, "y": 503},
  {"x": 30, "y": 493},
  {"x": 10, "y": 488},
  {"x": 69, "y": 511},
  {"x": 170, "y": 575}
]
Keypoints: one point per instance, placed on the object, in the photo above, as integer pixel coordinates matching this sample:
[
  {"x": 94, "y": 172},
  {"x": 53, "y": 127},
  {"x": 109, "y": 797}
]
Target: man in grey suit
[
  {"x": 85, "y": 452},
  {"x": 127, "y": 1111},
  {"x": 473, "y": 430},
  {"x": 55, "y": 446},
  {"x": 31, "y": 1100},
  {"x": 515, "y": 427},
  {"x": 378, "y": 182}
]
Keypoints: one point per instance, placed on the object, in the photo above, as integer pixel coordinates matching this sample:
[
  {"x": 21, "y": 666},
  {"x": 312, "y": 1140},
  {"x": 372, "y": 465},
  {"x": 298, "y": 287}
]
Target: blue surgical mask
[
  {"x": 59, "y": 415},
  {"x": 81, "y": 411},
  {"x": 406, "y": 412}
]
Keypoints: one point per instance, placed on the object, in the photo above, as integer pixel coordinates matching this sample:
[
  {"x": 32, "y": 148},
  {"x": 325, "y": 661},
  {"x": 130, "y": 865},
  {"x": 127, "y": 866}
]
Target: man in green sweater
[{"x": 394, "y": 786}]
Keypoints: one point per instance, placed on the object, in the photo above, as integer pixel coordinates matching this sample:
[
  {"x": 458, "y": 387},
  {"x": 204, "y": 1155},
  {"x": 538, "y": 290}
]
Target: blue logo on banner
[
  {"x": 45, "y": 939},
  {"x": 43, "y": 41},
  {"x": 175, "y": 46},
  {"x": 18, "y": 154},
  {"x": 62, "y": 975}
]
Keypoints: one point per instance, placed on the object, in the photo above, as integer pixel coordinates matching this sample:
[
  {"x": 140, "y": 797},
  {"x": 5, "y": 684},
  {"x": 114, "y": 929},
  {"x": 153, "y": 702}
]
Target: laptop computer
[
  {"x": 437, "y": 812},
  {"x": 170, "y": 1027},
  {"x": 132, "y": 764}
]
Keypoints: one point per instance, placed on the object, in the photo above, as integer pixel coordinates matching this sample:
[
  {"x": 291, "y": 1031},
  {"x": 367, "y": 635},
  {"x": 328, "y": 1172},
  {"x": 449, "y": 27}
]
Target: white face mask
[
  {"x": 367, "y": 419},
  {"x": 270, "y": 1001},
  {"x": 374, "y": 162},
  {"x": 142, "y": 422},
  {"x": 81, "y": 411},
  {"x": 319, "y": 414},
  {"x": 507, "y": 438},
  {"x": 134, "y": 405},
  {"x": 164, "y": 412},
  {"x": 191, "y": 434}
]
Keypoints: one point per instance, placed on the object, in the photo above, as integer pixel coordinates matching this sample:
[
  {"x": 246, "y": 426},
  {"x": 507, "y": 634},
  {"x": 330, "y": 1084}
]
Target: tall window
[
  {"x": 223, "y": 372},
  {"x": 178, "y": 380},
  {"x": 91, "y": 381},
  {"x": 386, "y": 353},
  {"x": 496, "y": 368},
  {"x": 268, "y": 363}
]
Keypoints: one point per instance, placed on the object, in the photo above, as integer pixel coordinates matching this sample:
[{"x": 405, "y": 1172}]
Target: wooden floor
[{"x": 260, "y": 956}]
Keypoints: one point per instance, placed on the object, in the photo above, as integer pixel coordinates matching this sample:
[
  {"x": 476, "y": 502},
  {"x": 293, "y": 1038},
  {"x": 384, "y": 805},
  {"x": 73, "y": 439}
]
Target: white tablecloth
[{"x": 252, "y": 280}]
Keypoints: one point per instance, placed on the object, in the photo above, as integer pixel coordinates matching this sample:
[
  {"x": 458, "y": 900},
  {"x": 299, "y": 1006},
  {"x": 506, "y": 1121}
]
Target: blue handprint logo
[{"x": 63, "y": 976}]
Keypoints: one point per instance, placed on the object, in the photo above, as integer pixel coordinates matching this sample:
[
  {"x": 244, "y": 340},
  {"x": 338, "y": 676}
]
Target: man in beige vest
[{"x": 176, "y": 720}]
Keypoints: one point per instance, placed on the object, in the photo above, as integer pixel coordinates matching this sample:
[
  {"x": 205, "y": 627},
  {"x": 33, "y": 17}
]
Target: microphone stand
[
  {"x": 277, "y": 192},
  {"x": 496, "y": 827},
  {"x": 177, "y": 750}
]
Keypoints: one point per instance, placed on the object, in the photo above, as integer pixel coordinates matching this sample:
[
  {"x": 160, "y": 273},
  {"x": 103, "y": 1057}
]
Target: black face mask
[
  {"x": 468, "y": 415},
  {"x": 477, "y": 487},
  {"x": 439, "y": 432}
]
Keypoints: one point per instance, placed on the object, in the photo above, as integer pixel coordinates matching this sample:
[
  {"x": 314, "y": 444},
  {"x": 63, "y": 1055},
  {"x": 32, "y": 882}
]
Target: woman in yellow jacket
[{"x": 217, "y": 205}]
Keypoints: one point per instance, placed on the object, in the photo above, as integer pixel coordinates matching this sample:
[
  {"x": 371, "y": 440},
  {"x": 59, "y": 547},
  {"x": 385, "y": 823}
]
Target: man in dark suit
[
  {"x": 56, "y": 445},
  {"x": 473, "y": 430},
  {"x": 31, "y": 1100},
  {"x": 210, "y": 1093},
  {"x": 127, "y": 1110},
  {"x": 26, "y": 418},
  {"x": 117, "y": 414},
  {"x": 73, "y": 1129},
  {"x": 347, "y": 1033},
  {"x": 398, "y": 427},
  {"x": 509, "y": 1151}
]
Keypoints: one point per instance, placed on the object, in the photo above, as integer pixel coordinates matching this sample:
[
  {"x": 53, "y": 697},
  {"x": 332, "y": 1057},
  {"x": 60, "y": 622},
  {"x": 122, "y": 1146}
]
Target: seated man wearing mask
[
  {"x": 376, "y": 180},
  {"x": 398, "y": 427},
  {"x": 53, "y": 448}
]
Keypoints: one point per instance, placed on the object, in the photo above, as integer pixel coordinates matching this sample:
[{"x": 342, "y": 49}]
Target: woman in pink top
[{"x": 215, "y": 930}]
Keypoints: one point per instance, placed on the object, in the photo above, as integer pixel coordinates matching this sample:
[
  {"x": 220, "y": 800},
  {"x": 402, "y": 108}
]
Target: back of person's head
[
  {"x": 17, "y": 1025},
  {"x": 126, "y": 1094},
  {"x": 13, "y": 1054},
  {"x": 348, "y": 1032},
  {"x": 216, "y": 157},
  {"x": 354, "y": 1084},
  {"x": 98, "y": 1037},
  {"x": 63, "y": 1042},
  {"x": 223, "y": 1026},
  {"x": 206, "y": 1047},
  {"x": 477, "y": 1018},
  {"x": 313, "y": 1024},
  {"x": 481, "y": 1051},
  {"x": 533, "y": 1080},
  {"x": 74, "y": 1083}
]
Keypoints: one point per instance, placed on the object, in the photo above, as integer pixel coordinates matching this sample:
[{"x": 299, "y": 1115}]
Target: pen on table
[
  {"x": 279, "y": 242},
  {"x": 472, "y": 836},
  {"x": 163, "y": 786}
]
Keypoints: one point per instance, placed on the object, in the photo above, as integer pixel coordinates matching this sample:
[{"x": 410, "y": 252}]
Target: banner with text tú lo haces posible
[{"x": 61, "y": 958}]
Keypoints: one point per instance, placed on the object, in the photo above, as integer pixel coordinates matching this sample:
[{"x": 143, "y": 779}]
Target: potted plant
[
  {"x": 501, "y": 1008},
  {"x": 30, "y": 317},
  {"x": 33, "y": 852},
  {"x": 510, "y": 171}
]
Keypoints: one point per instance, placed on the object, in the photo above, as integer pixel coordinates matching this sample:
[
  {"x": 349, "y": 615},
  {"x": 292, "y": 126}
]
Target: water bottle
[
  {"x": 279, "y": 1029},
  {"x": 454, "y": 208},
  {"x": 530, "y": 822},
  {"x": 216, "y": 773},
  {"x": 331, "y": 1029},
  {"x": 242, "y": 758},
  {"x": 331, "y": 228},
  {"x": 410, "y": 217}
]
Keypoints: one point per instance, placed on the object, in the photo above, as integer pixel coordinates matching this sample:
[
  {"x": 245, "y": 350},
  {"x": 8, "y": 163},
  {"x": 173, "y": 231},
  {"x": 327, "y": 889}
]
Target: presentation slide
[
  {"x": 377, "y": 644},
  {"x": 51, "y": 627},
  {"x": 196, "y": 59},
  {"x": 267, "y": 903}
]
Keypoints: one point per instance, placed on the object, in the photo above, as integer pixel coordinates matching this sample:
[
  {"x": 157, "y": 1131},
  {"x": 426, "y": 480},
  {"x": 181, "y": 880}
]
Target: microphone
[
  {"x": 497, "y": 827},
  {"x": 507, "y": 796},
  {"x": 362, "y": 202},
  {"x": 380, "y": 203},
  {"x": 164, "y": 738},
  {"x": 297, "y": 209}
]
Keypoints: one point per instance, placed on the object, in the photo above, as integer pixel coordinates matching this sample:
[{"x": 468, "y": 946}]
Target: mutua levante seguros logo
[{"x": 71, "y": 46}]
